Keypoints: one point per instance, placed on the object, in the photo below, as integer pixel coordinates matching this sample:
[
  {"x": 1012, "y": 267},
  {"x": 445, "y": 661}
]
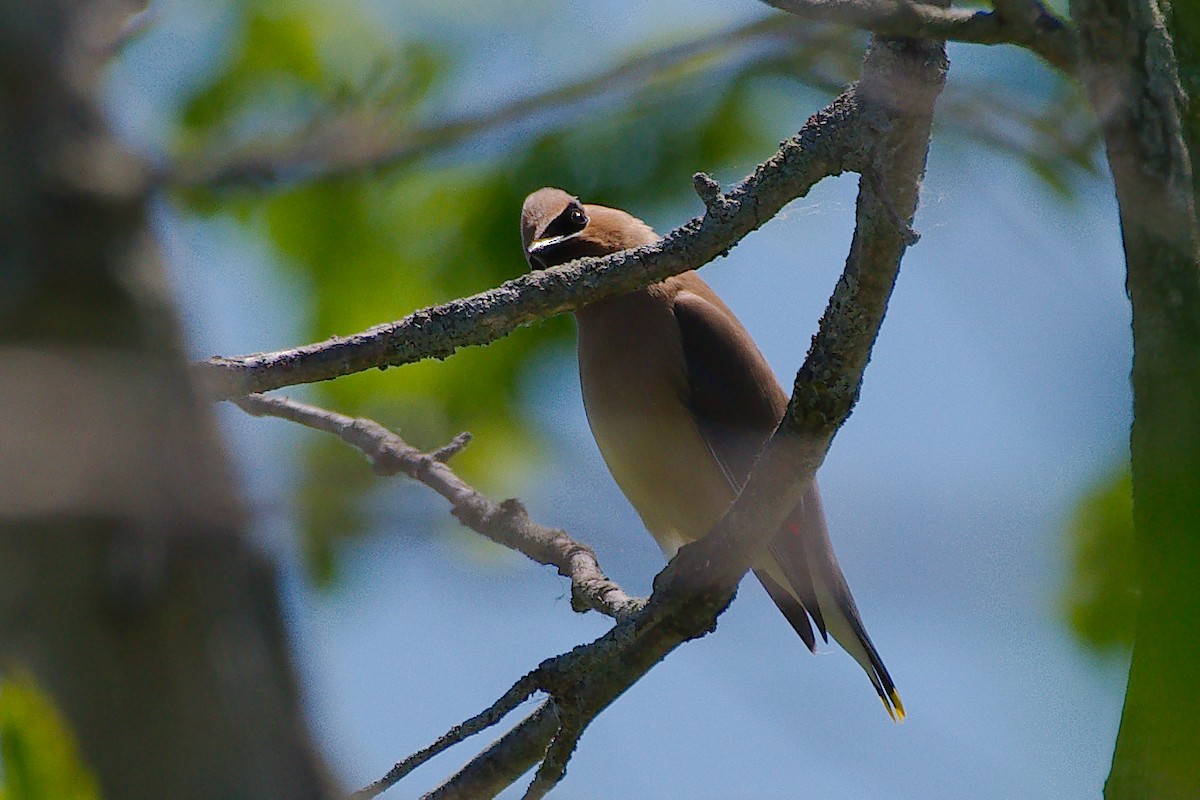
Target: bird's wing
[
  {"x": 732, "y": 393},
  {"x": 737, "y": 403}
]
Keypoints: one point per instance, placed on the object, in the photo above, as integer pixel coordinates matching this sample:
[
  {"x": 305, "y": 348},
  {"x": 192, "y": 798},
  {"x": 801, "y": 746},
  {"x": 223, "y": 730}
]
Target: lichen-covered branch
[
  {"x": 505, "y": 523},
  {"x": 880, "y": 128},
  {"x": 901, "y": 80},
  {"x": 1026, "y": 23},
  {"x": 835, "y": 140},
  {"x": 506, "y": 760},
  {"x": 516, "y": 695}
]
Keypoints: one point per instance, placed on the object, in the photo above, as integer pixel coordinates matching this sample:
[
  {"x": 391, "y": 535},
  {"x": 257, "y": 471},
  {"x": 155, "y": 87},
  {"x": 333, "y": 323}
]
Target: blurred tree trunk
[
  {"x": 128, "y": 589},
  {"x": 1136, "y": 86}
]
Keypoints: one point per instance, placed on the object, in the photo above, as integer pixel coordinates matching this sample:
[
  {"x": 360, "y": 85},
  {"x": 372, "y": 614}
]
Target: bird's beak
[{"x": 538, "y": 245}]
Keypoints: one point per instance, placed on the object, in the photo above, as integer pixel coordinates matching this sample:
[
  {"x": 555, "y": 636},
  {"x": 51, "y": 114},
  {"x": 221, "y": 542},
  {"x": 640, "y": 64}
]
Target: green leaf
[
  {"x": 1101, "y": 598},
  {"x": 276, "y": 48},
  {"x": 40, "y": 756}
]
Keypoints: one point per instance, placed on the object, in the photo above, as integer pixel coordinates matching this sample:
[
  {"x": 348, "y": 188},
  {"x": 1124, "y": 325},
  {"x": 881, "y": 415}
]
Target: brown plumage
[{"x": 680, "y": 401}]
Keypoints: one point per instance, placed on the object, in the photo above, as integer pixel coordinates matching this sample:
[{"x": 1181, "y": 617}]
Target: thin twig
[
  {"x": 346, "y": 144},
  {"x": 505, "y": 523},
  {"x": 889, "y": 114},
  {"x": 452, "y": 448},
  {"x": 517, "y": 694},
  {"x": 505, "y": 761},
  {"x": 708, "y": 190},
  {"x": 554, "y": 764}
]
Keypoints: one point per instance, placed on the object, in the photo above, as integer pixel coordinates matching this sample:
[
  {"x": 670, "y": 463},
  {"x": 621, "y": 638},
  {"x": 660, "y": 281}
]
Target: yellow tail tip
[{"x": 896, "y": 708}]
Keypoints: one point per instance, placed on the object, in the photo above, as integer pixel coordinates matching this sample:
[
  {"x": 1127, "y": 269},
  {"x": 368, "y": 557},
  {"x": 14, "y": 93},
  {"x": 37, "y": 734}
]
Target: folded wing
[{"x": 737, "y": 403}]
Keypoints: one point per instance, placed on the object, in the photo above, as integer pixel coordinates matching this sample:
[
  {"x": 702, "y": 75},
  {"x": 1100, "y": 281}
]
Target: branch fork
[{"x": 888, "y": 115}]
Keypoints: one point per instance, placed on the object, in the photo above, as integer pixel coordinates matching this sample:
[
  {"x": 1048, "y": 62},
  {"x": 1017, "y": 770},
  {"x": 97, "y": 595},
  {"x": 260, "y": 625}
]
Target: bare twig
[
  {"x": 362, "y": 139},
  {"x": 709, "y": 192},
  {"x": 516, "y": 695},
  {"x": 1021, "y": 22},
  {"x": 452, "y": 448},
  {"x": 506, "y": 760},
  {"x": 554, "y": 763},
  {"x": 505, "y": 523}
]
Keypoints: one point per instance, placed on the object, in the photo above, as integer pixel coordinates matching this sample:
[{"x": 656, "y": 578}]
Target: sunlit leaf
[
  {"x": 277, "y": 58},
  {"x": 1101, "y": 598},
  {"x": 40, "y": 757}
]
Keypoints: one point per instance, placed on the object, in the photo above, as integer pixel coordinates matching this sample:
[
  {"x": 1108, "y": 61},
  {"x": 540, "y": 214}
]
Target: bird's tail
[{"x": 806, "y": 583}]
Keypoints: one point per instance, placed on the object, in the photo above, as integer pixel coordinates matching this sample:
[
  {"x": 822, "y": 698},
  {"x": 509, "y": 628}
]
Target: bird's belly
[
  {"x": 634, "y": 379},
  {"x": 658, "y": 458}
]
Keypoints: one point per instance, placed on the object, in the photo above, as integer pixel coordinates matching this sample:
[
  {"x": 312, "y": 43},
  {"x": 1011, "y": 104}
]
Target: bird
[{"x": 680, "y": 401}]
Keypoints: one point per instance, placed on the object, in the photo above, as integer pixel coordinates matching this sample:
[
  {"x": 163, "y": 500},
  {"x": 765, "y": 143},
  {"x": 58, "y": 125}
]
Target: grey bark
[
  {"x": 836, "y": 140},
  {"x": 128, "y": 589},
  {"x": 507, "y": 524}
]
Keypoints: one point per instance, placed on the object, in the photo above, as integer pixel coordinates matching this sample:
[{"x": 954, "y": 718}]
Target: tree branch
[
  {"x": 879, "y": 127},
  {"x": 1021, "y": 22},
  {"x": 835, "y": 140},
  {"x": 506, "y": 524},
  {"x": 519, "y": 692},
  {"x": 554, "y": 762},
  {"x": 901, "y": 79},
  {"x": 506, "y": 760},
  {"x": 350, "y": 141}
]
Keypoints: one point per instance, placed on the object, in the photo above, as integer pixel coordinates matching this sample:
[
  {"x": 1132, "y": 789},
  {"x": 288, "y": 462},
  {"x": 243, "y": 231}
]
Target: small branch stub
[
  {"x": 709, "y": 191},
  {"x": 452, "y": 448}
]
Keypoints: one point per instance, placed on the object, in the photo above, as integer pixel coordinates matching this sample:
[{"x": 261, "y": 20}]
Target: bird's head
[{"x": 557, "y": 228}]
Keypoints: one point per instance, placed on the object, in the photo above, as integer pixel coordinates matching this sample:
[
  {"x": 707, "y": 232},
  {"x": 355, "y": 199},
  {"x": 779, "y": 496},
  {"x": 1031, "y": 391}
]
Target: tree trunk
[
  {"x": 128, "y": 589},
  {"x": 1131, "y": 76}
]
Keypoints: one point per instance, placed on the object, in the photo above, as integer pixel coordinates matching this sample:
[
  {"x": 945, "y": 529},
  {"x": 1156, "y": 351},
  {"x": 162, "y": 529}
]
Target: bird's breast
[{"x": 634, "y": 381}]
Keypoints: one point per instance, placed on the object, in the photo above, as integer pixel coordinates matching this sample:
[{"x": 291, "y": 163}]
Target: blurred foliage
[
  {"x": 296, "y": 64},
  {"x": 40, "y": 758},
  {"x": 309, "y": 92},
  {"x": 1101, "y": 600},
  {"x": 1057, "y": 138}
]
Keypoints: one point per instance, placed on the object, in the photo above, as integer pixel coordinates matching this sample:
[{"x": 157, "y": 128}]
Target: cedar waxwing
[{"x": 680, "y": 401}]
